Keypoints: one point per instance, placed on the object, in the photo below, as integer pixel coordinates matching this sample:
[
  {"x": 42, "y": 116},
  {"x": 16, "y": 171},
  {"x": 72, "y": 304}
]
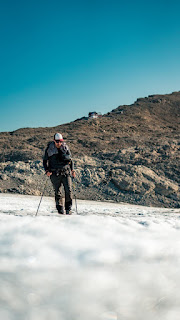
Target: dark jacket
[{"x": 57, "y": 158}]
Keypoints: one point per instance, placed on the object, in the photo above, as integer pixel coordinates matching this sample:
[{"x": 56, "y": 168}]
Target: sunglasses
[{"x": 58, "y": 141}]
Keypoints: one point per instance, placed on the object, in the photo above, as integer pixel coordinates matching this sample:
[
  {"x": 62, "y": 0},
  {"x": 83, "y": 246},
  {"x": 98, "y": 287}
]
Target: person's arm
[
  {"x": 72, "y": 169},
  {"x": 45, "y": 164},
  {"x": 68, "y": 154},
  {"x": 71, "y": 165}
]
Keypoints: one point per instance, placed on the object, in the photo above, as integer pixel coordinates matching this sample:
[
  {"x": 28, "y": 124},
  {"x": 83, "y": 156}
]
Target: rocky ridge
[{"x": 129, "y": 155}]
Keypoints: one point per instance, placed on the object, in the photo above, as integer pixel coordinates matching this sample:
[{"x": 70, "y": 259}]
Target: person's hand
[
  {"x": 48, "y": 173},
  {"x": 73, "y": 173}
]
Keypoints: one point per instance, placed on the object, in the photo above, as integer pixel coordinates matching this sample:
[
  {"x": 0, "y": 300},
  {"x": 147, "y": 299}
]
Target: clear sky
[{"x": 61, "y": 59}]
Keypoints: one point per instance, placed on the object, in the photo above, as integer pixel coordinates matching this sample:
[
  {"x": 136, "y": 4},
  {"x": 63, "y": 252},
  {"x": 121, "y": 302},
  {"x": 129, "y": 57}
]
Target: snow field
[{"x": 111, "y": 261}]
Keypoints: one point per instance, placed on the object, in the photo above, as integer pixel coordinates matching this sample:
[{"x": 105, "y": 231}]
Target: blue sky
[{"x": 61, "y": 59}]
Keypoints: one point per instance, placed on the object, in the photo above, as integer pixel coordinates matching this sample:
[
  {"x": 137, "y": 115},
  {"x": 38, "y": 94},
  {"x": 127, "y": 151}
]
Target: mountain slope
[{"x": 129, "y": 154}]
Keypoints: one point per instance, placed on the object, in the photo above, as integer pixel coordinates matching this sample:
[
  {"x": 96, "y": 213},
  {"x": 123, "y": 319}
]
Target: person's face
[{"x": 58, "y": 143}]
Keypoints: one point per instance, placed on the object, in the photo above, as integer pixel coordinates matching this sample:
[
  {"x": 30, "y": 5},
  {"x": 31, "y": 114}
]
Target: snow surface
[{"x": 111, "y": 261}]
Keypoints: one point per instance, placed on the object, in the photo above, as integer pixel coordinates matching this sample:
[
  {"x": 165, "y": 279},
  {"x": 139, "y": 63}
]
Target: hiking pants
[{"x": 58, "y": 181}]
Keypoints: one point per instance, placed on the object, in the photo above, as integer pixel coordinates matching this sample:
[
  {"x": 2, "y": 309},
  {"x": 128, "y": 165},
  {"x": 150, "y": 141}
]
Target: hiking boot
[
  {"x": 68, "y": 212},
  {"x": 60, "y": 209}
]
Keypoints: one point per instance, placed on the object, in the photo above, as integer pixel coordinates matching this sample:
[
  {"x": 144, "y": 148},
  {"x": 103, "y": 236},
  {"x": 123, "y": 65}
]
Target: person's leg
[
  {"x": 57, "y": 185},
  {"x": 67, "y": 182}
]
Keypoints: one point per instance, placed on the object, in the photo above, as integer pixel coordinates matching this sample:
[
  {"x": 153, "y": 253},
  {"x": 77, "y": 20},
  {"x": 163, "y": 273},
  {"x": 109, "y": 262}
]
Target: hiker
[{"x": 59, "y": 167}]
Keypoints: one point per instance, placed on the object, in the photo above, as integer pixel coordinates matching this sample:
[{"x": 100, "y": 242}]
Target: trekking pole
[
  {"x": 74, "y": 187},
  {"x": 41, "y": 198}
]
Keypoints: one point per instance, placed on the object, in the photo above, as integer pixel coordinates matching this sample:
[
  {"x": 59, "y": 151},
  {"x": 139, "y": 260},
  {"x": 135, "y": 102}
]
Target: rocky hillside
[{"x": 130, "y": 154}]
